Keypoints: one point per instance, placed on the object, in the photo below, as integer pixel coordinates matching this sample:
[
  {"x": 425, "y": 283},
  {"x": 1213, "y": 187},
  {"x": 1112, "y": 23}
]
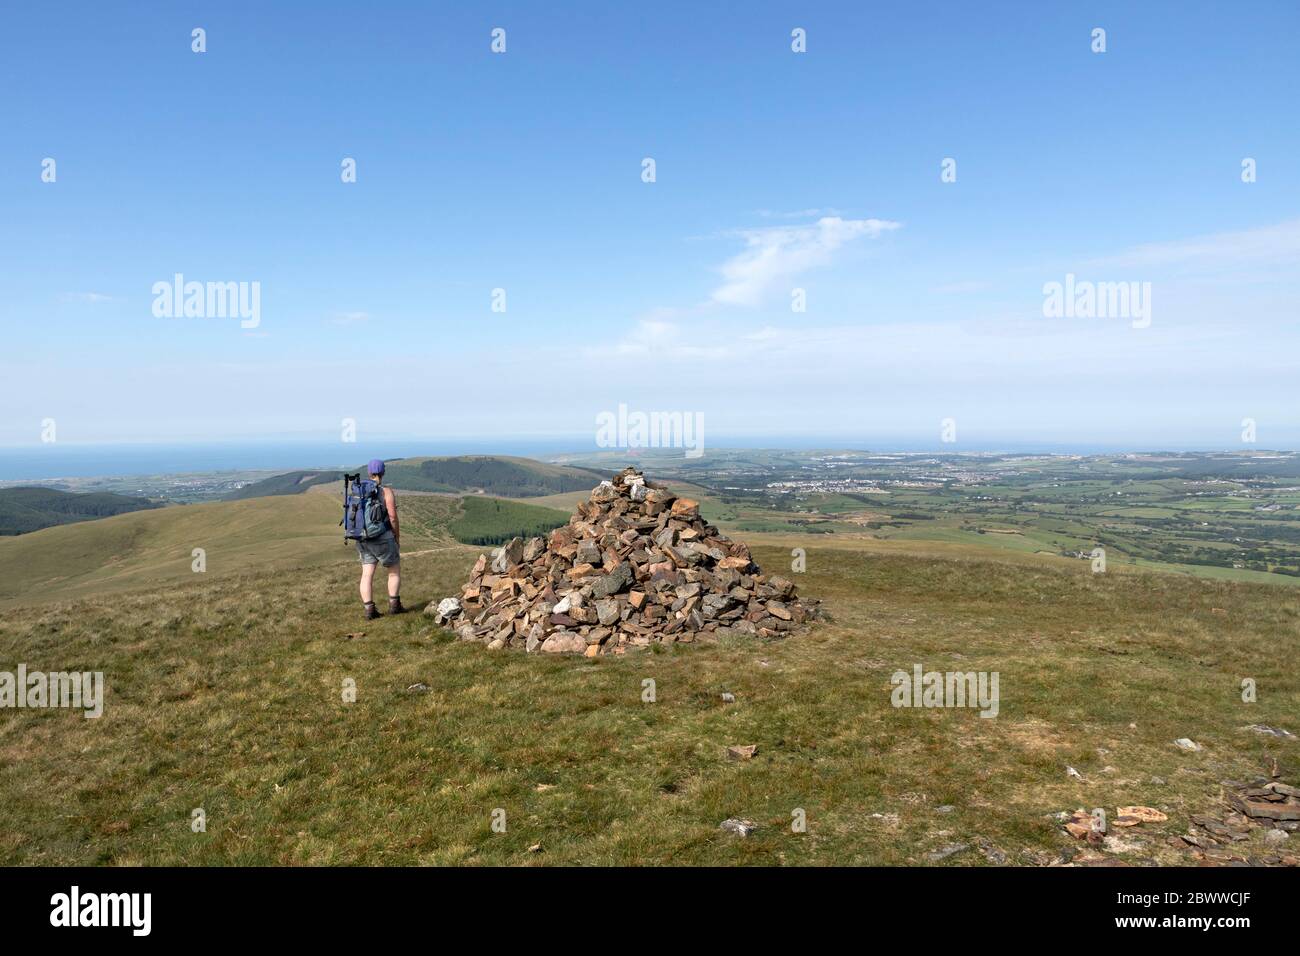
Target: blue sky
[{"x": 775, "y": 171}]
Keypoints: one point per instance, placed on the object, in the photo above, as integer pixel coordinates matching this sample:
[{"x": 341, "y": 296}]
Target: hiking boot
[
  {"x": 372, "y": 612},
  {"x": 395, "y": 606}
]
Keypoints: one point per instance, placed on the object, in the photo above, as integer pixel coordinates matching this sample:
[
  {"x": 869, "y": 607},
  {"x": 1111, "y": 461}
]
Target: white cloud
[
  {"x": 349, "y": 318},
  {"x": 777, "y": 254}
]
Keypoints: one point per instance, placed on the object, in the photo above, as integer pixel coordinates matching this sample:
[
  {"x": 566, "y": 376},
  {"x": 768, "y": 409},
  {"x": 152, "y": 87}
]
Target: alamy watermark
[
  {"x": 75, "y": 908},
  {"x": 1084, "y": 299},
  {"x": 624, "y": 429},
  {"x": 950, "y": 689},
  {"x": 75, "y": 690},
  {"x": 208, "y": 300}
]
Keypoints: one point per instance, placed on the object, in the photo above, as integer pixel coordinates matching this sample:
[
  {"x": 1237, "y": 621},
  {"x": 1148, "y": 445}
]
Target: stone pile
[
  {"x": 1257, "y": 826},
  {"x": 635, "y": 565}
]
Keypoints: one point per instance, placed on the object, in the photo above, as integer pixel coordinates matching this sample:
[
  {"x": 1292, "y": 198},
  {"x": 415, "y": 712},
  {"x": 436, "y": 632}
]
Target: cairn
[{"x": 635, "y": 565}]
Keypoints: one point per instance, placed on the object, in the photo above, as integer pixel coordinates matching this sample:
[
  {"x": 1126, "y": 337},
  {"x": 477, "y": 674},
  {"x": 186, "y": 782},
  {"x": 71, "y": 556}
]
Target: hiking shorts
[{"x": 381, "y": 550}]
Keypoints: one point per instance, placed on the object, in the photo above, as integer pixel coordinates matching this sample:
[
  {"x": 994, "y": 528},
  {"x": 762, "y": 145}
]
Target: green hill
[
  {"x": 489, "y": 474},
  {"x": 290, "y": 483},
  {"x": 23, "y": 510},
  {"x": 480, "y": 474}
]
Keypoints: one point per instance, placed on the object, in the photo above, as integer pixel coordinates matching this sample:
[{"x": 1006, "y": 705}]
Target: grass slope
[
  {"x": 155, "y": 548},
  {"x": 226, "y": 695},
  {"x": 23, "y": 510}
]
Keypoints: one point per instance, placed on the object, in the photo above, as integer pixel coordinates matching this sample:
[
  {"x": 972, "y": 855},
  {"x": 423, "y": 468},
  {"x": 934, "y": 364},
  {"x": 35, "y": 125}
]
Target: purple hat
[{"x": 376, "y": 466}]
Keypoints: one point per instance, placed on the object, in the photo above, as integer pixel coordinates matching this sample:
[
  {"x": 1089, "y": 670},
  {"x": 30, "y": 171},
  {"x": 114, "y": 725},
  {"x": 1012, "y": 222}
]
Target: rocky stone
[
  {"x": 508, "y": 555},
  {"x": 444, "y": 610},
  {"x": 1186, "y": 743},
  {"x": 565, "y": 642},
  {"x": 952, "y": 849},
  {"x": 615, "y": 581},
  {"x": 1286, "y": 809},
  {"x": 533, "y": 549},
  {"x": 607, "y": 611},
  {"x": 742, "y": 828},
  {"x": 1271, "y": 731},
  {"x": 1132, "y": 816}
]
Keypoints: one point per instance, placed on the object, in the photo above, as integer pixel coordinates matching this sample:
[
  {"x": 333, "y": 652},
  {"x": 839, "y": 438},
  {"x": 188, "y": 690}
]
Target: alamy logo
[
  {"x": 103, "y": 909},
  {"x": 1098, "y": 300},
  {"x": 36, "y": 689},
  {"x": 209, "y": 300},
  {"x": 626, "y": 429},
  {"x": 950, "y": 689}
]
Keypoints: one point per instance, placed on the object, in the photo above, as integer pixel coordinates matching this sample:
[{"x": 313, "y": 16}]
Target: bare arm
[{"x": 390, "y": 502}]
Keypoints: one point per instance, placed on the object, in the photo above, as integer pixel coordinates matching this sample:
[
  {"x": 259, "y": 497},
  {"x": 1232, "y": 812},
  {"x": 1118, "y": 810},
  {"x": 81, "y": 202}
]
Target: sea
[{"x": 92, "y": 460}]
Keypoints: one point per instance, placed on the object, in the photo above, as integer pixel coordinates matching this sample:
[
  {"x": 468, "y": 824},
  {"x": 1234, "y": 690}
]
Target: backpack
[{"x": 364, "y": 514}]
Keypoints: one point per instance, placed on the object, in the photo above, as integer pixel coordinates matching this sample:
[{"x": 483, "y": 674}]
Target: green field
[{"x": 1221, "y": 515}]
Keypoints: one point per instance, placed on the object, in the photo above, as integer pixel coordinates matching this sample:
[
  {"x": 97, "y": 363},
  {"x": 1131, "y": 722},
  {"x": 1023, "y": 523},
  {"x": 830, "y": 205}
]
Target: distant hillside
[
  {"x": 485, "y": 474},
  {"x": 156, "y": 547},
  {"x": 29, "y": 509},
  {"x": 489, "y": 474},
  {"x": 290, "y": 483}
]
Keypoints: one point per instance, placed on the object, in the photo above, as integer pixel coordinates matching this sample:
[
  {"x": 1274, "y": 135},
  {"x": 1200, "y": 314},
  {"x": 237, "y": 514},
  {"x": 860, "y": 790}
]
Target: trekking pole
[{"x": 345, "y": 509}]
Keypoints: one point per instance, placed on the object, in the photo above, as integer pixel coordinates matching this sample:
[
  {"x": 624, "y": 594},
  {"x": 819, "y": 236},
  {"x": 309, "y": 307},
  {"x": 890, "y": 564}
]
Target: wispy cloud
[
  {"x": 349, "y": 318},
  {"x": 774, "y": 255},
  {"x": 658, "y": 338},
  {"x": 1265, "y": 245},
  {"x": 965, "y": 287},
  {"x": 92, "y": 298},
  {"x": 797, "y": 213}
]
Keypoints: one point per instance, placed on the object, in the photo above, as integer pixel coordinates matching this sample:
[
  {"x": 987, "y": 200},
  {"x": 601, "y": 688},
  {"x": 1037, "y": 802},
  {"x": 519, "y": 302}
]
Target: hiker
[{"x": 383, "y": 548}]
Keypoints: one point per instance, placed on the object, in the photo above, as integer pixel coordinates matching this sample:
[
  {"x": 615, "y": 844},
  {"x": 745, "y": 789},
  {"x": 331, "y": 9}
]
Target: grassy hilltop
[
  {"x": 224, "y": 692},
  {"x": 23, "y": 510},
  {"x": 499, "y": 475}
]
